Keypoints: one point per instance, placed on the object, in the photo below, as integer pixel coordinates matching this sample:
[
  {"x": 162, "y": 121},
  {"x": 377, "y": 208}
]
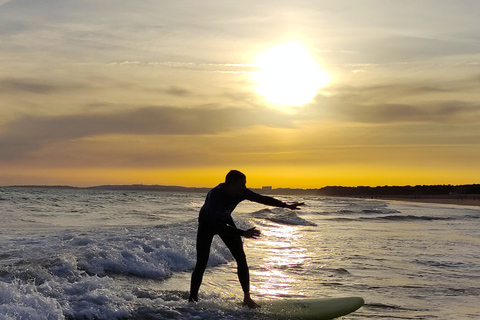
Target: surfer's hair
[{"x": 234, "y": 176}]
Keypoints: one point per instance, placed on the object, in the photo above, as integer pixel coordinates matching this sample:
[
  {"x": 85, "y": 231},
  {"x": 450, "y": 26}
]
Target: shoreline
[{"x": 469, "y": 200}]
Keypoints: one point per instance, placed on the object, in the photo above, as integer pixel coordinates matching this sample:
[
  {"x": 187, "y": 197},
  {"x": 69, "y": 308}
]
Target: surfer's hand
[
  {"x": 294, "y": 205},
  {"x": 252, "y": 233}
]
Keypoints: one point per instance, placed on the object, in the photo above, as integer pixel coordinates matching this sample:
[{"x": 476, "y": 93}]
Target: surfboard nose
[{"x": 312, "y": 309}]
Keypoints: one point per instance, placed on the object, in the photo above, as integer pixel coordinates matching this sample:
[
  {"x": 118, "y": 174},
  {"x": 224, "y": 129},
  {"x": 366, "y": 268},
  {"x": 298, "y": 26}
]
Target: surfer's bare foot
[
  {"x": 250, "y": 303},
  {"x": 193, "y": 299}
]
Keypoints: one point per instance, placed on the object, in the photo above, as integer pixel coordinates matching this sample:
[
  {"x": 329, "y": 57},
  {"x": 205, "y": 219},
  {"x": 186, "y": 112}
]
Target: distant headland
[{"x": 335, "y": 191}]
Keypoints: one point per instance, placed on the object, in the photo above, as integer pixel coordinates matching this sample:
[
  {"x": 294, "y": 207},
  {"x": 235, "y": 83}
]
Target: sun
[{"x": 288, "y": 75}]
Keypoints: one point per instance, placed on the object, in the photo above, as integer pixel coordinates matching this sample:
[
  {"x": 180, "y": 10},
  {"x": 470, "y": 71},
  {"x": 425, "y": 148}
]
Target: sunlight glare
[
  {"x": 273, "y": 273},
  {"x": 288, "y": 75}
]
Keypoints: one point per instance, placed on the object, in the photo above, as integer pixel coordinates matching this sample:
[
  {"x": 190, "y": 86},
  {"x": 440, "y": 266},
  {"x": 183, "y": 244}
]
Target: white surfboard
[{"x": 311, "y": 309}]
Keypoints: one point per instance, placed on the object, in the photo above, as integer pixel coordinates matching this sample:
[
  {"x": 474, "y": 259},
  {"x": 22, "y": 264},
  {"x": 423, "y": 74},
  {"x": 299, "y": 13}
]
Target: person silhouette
[{"x": 215, "y": 218}]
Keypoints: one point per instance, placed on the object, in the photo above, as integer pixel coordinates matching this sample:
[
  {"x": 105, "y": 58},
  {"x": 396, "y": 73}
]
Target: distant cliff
[
  {"x": 420, "y": 190},
  {"x": 334, "y": 191}
]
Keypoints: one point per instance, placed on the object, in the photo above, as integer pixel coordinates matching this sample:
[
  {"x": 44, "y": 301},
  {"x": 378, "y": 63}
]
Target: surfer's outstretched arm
[
  {"x": 294, "y": 205},
  {"x": 270, "y": 201}
]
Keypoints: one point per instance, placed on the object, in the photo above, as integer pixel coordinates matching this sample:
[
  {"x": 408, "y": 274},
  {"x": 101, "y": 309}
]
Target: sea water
[{"x": 91, "y": 254}]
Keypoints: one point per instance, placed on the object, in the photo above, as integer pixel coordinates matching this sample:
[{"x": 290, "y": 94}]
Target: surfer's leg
[
  {"x": 204, "y": 241},
  {"x": 235, "y": 245}
]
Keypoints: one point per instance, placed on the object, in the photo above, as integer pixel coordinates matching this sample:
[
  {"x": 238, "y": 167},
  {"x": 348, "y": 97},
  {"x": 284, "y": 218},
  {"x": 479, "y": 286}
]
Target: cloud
[
  {"x": 384, "y": 112},
  {"x": 29, "y": 133},
  {"x": 451, "y": 111},
  {"x": 219, "y": 31},
  {"x": 448, "y": 98},
  {"x": 24, "y": 85},
  {"x": 177, "y": 91},
  {"x": 441, "y": 112},
  {"x": 409, "y": 48}
]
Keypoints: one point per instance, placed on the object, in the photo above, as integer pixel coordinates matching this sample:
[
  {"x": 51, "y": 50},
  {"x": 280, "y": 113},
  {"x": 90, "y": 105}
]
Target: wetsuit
[{"x": 215, "y": 218}]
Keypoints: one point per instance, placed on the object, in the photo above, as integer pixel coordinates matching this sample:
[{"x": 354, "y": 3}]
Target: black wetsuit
[{"x": 215, "y": 218}]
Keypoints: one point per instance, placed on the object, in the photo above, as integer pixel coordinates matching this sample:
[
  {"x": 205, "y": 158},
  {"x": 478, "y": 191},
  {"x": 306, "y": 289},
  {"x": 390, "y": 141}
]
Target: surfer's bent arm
[
  {"x": 228, "y": 229},
  {"x": 249, "y": 233}
]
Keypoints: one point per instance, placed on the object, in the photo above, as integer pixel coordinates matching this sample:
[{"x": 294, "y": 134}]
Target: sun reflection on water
[{"x": 284, "y": 259}]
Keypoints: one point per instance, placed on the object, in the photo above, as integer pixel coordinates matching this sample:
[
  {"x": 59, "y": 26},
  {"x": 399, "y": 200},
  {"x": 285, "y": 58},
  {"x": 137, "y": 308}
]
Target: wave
[
  {"x": 71, "y": 274},
  {"x": 23, "y": 301},
  {"x": 282, "y": 216},
  {"x": 470, "y": 216},
  {"x": 384, "y": 306},
  {"x": 343, "y": 219},
  {"x": 369, "y": 211},
  {"x": 442, "y": 264},
  {"x": 390, "y": 218},
  {"x": 380, "y": 211},
  {"x": 411, "y": 218},
  {"x": 335, "y": 271}
]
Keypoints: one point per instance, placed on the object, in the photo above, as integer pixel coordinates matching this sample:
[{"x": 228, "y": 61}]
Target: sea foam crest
[
  {"x": 278, "y": 215},
  {"x": 74, "y": 271},
  {"x": 22, "y": 301},
  {"x": 153, "y": 253},
  {"x": 90, "y": 297}
]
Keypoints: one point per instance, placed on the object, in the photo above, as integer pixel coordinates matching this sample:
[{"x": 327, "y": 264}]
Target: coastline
[{"x": 468, "y": 200}]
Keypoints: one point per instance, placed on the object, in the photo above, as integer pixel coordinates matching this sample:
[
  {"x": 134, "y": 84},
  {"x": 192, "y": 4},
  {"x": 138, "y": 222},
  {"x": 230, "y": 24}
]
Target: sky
[{"x": 170, "y": 92}]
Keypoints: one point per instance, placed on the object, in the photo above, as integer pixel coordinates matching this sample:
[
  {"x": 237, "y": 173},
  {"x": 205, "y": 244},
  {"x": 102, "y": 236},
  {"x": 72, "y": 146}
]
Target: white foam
[
  {"x": 90, "y": 297},
  {"x": 22, "y": 301},
  {"x": 70, "y": 273}
]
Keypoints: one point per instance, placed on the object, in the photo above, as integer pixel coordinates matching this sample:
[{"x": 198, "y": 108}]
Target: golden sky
[{"x": 293, "y": 93}]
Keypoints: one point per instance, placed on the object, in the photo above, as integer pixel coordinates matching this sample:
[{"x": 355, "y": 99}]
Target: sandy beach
[{"x": 468, "y": 200}]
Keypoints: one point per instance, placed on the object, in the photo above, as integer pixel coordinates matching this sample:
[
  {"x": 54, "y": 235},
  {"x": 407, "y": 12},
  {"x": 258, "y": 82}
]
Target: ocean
[{"x": 93, "y": 254}]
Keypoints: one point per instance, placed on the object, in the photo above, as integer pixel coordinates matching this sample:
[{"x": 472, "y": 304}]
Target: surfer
[{"x": 215, "y": 218}]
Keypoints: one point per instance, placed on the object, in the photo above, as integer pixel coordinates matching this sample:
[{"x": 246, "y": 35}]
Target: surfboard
[{"x": 311, "y": 309}]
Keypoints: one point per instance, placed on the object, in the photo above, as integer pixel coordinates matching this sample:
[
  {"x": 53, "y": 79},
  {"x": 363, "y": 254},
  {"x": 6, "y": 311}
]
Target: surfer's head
[{"x": 235, "y": 182}]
